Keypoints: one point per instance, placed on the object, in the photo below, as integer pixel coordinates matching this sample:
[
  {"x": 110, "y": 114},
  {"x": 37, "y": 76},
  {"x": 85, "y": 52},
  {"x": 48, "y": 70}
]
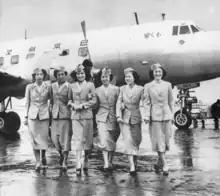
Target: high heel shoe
[
  {"x": 157, "y": 169},
  {"x": 78, "y": 172},
  {"x": 61, "y": 160},
  {"x": 165, "y": 171},
  {"x": 64, "y": 167},
  {"x": 133, "y": 173},
  {"x": 37, "y": 167},
  {"x": 85, "y": 166}
]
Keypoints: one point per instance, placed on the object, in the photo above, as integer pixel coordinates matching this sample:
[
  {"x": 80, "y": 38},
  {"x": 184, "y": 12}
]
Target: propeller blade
[{"x": 83, "y": 25}]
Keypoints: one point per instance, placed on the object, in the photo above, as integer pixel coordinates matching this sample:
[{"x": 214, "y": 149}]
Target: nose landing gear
[{"x": 182, "y": 117}]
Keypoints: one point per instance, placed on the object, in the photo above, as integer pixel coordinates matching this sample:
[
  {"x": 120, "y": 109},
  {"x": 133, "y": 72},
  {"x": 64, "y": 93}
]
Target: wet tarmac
[{"x": 194, "y": 161}]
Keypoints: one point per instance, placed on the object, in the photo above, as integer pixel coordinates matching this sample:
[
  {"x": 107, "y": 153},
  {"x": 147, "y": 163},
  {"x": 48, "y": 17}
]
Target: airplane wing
[{"x": 12, "y": 86}]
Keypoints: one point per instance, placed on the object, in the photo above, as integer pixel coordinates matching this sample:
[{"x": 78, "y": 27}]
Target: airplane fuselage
[{"x": 191, "y": 56}]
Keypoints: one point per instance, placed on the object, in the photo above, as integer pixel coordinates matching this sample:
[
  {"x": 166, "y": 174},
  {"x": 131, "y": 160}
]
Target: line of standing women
[{"x": 124, "y": 108}]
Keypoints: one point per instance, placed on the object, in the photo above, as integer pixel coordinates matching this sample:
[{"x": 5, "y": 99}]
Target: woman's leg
[
  {"x": 164, "y": 163},
  {"x": 43, "y": 157},
  {"x": 61, "y": 157},
  {"x": 86, "y": 160},
  {"x": 78, "y": 159},
  {"x": 131, "y": 162},
  {"x": 37, "y": 157},
  {"x": 135, "y": 161},
  {"x": 110, "y": 158},
  {"x": 106, "y": 158},
  {"x": 65, "y": 157}
]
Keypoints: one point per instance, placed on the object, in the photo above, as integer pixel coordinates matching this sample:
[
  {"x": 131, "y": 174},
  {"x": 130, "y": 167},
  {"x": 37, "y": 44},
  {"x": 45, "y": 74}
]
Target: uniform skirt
[
  {"x": 108, "y": 135},
  {"x": 83, "y": 134},
  {"x": 61, "y": 134},
  {"x": 160, "y": 133},
  {"x": 39, "y": 132},
  {"x": 132, "y": 137}
]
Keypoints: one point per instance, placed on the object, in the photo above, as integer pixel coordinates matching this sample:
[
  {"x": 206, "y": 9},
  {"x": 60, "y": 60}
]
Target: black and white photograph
[{"x": 109, "y": 98}]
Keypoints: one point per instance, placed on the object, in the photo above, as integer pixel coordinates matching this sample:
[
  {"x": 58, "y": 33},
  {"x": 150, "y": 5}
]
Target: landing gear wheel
[
  {"x": 182, "y": 119},
  {"x": 13, "y": 122},
  {"x": 9, "y": 122}
]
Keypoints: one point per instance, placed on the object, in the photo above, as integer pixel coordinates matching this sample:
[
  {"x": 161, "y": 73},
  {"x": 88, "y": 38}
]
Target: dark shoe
[
  {"x": 61, "y": 160},
  {"x": 165, "y": 173},
  {"x": 85, "y": 169},
  {"x": 133, "y": 173},
  {"x": 64, "y": 168},
  {"x": 157, "y": 169},
  {"x": 37, "y": 167},
  {"x": 78, "y": 172}
]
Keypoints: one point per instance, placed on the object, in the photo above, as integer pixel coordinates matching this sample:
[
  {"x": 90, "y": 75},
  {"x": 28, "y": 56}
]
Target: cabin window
[
  {"x": 175, "y": 30},
  {"x": 83, "y": 51},
  {"x": 194, "y": 29},
  {"x": 30, "y": 56},
  {"x": 184, "y": 30},
  {"x": 14, "y": 59},
  {"x": 1, "y": 61},
  {"x": 65, "y": 52}
]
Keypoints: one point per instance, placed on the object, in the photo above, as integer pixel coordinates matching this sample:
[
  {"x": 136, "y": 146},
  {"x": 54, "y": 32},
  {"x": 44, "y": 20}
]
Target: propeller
[
  {"x": 83, "y": 25},
  {"x": 84, "y": 43}
]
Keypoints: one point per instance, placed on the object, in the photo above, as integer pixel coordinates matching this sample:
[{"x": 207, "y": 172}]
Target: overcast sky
[{"x": 46, "y": 17}]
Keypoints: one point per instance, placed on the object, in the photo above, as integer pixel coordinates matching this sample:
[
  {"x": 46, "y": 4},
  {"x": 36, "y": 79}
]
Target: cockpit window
[
  {"x": 175, "y": 30},
  {"x": 194, "y": 29},
  {"x": 1, "y": 61},
  {"x": 14, "y": 59},
  {"x": 184, "y": 30}
]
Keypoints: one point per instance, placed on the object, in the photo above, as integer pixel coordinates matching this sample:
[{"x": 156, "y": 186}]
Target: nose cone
[
  {"x": 209, "y": 52},
  {"x": 210, "y": 40}
]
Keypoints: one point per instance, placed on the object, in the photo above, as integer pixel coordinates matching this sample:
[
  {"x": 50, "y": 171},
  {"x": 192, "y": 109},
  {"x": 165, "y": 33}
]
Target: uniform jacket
[
  {"x": 131, "y": 99},
  {"x": 37, "y": 101},
  {"x": 158, "y": 101},
  {"x": 59, "y": 101},
  {"x": 85, "y": 95},
  {"x": 106, "y": 103}
]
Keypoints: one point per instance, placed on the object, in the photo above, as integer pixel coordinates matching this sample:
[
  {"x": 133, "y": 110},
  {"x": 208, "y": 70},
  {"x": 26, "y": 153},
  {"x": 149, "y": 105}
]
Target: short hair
[
  {"x": 56, "y": 72},
  {"x": 98, "y": 81},
  {"x": 151, "y": 73},
  {"x": 44, "y": 77},
  {"x": 136, "y": 77},
  {"x": 87, "y": 73}
]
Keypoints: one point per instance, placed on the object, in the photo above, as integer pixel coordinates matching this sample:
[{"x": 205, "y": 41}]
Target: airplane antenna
[
  {"x": 25, "y": 34},
  {"x": 163, "y": 16},
  {"x": 136, "y": 18}
]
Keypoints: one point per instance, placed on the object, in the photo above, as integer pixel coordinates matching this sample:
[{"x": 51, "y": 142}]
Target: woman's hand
[
  {"x": 146, "y": 121},
  {"x": 78, "y": 107},
  {"x": 119, "y": 120}
]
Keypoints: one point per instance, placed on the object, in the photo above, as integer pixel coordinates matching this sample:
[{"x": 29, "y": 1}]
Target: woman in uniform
[
  {"x": 108, "y": 130},
  {"x": 61, "y": 132},
  {"x": 129, "y": 116},
  {"x": 37, "y": 115},
  {"x": 81, "y": 100},
  {"x": 158, "y": 112}
]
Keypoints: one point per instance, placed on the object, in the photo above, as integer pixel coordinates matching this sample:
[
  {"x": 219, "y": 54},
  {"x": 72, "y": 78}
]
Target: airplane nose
[
  {"x": 209, "y": 50},
  {"x": 211, "y": 40}
]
